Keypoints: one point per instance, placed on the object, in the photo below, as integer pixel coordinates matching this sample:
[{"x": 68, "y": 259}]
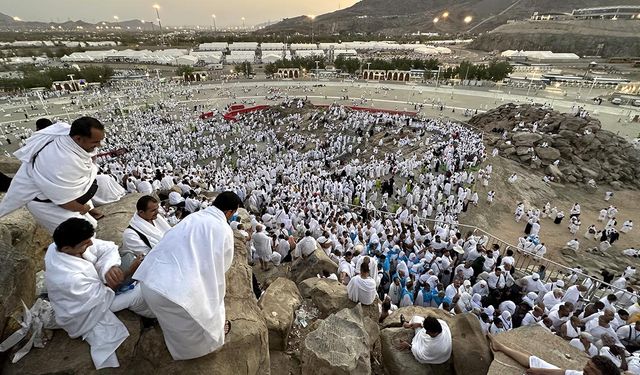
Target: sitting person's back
[
  {"x": 362, "y": 288},
  {"x": 432, "y": 342}
]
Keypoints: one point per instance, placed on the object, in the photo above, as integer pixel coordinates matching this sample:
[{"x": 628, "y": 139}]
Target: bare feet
[
  {"x": 227, "y": 327},
  {"x": 493, "y": 344}
]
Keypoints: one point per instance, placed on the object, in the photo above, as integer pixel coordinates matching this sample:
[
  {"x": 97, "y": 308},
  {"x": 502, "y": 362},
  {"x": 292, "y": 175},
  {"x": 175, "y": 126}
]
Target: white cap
[
  {"x": 535, "y": 276},
  {"x": 322, "y": 239}
]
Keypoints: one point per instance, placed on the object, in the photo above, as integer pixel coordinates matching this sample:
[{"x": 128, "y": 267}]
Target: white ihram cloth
[
  {"x": 431, "y": 350},
  {"x": 154, "y": 233},
  {"x": 84, "y": 306},
  {"x": 262, "y": 243},
  {"x": 62, "y": 172},
  {"x": 183, "y": 282},
  {"x": 109, "y": 190},
  {"x": 362, "y": 290}
]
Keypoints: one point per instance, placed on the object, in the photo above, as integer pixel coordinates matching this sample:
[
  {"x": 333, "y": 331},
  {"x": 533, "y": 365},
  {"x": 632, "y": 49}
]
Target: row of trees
[{"x": 33, "y": 77}]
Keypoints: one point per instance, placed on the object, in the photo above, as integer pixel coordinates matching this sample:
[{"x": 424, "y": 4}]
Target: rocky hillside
[
  {"x": 586, "y": 38},
  {"x": 583, "y": 149},
  {"x": 408, "y": 16},
  {"x": 342, "y": 338}
]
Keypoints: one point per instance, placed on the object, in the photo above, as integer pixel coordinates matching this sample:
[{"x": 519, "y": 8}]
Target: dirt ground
[{"x": 498, "y": 218}]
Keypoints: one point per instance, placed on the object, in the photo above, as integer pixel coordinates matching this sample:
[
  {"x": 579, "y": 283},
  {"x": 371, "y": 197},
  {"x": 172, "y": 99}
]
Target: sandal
[
  {"x": 402, "y": 320},
  {"x": 227, "y": 327}
]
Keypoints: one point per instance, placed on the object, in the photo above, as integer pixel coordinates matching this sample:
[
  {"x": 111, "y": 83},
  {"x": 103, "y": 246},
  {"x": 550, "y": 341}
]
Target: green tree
[
  {"x": 182, "y": 70},
  {"x": 348, "y": 65},
  {"x": 244, "y": 68}
]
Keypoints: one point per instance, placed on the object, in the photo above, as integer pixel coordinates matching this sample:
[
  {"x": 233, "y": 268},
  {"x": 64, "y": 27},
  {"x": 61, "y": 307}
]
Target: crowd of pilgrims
[{"x": 360, "y": 185}]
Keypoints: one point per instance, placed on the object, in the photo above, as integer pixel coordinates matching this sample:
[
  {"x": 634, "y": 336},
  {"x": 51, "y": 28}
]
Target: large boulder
[
  {"x": 17, "y": 283},
  {"x": 311, "y": 266},
  {"x": 526, "y": 138},
  {"x": 547, "y": 154},
  {"x": 26, "y": 236},
  {"x": 279, "y": 303},
  {"x": 329, "y": 296},
  {"x": 9, "y": 165},
  {"x": 470, "y": 353},
  {"x": 537, "y": 341},
  {"x": 116, "y": 218},
  {"x": 340, "y": 345},
  {"x": 63, "y": 355}
]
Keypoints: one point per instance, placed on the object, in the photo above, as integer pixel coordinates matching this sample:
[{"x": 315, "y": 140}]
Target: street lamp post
[
  {"x": 157, "y": 8},
  {"x": 317, "y": 70},
  {"x": 213, "y": 18},
  {"x": 244, "y": 27},
  {"x": 438, "y": 76}
]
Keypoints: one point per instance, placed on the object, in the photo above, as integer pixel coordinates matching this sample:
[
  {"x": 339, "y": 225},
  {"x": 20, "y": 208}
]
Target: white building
[
  {"x": 243, "y": 46},
  {"x": 215, "y": 46},
  {"x": 241, "y": 56}
]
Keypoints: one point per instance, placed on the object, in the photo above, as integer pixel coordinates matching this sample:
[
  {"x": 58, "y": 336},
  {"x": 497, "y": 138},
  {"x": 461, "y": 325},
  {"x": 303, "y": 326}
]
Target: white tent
[
  {"x": 271, "y": 57},
  {"x": 186, "y": 60},
  {"x": 215, "y": 46}
]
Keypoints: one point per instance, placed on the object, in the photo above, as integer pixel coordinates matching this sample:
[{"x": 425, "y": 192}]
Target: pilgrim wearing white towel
[
  {"x": 77, "y": 269},
  {"x": 183, "y": 279},
  {"x": 362, "y": 288},
  {"x": 109, "y": 190},
  {"x": 432, "y": 342},
  {"x": 57, "y": 177},
  {"x": 146, "y": 228}
]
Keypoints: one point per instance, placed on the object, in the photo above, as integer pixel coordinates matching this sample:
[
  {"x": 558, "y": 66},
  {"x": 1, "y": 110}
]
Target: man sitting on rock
[
  {"x": 81, "y": 276},
  {"x": 146, "y": 228},
  {"x": 431, "y": 343},
  {"x": 362, "y": 288}
]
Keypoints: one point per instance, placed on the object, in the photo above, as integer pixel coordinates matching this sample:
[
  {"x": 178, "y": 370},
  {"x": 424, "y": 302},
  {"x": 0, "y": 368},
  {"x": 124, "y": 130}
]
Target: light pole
[
  {"x": 244, "y": 27},
  {"x": 438, "y": 76},
  {"x": 317, "y": 70},
  {"x": 116, "y": 18},
  {"x": 157, "y": 8},
  {"x": 213, "y": 18}
]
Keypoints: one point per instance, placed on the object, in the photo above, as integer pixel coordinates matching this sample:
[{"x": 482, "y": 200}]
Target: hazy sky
[{"x": 172, "y": 12}]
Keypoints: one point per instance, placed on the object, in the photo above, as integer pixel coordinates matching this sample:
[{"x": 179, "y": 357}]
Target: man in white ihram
[
  {"x": 57, "y": 178},
  {"x": 77, "y": 269},
  {"x": 183, "y": 279},
  {"x": 146, "y": 228}
]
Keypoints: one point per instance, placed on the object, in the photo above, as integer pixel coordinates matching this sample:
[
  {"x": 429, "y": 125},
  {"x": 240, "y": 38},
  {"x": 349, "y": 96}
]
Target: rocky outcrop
[
  {"x": 537, "y": 341},
  {"x": 585, "y": 152},
  {"x": 116, "y": 218},
  {"x": 279, "y": 303},
  {"x": 340, "y": 345},
  {"x": 9, "y": 165},
  {"x": 17, "y": 283},
  {"x": 330, "y": 296},
  {"x": 470, "y": 354},
  {"x": 311, "y": 266}
]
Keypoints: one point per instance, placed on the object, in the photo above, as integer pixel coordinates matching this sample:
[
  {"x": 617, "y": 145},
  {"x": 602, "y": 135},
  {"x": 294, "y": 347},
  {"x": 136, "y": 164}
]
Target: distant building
[{"x": 610, "y": 12}]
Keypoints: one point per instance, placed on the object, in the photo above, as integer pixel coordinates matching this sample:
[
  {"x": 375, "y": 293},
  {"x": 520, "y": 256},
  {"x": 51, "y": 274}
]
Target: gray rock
[
  {"x": 547, "y": 154},
  {"x": 539, "y": 342},
  {"x": 526, "y": 138},
  {"x": 314, "y": 264},
  {"x": 340, "y": 345},
  {"x": 522, "y": 150},
  {"x": 279, "y": 303},
  {"x": 554, "y": 171}
]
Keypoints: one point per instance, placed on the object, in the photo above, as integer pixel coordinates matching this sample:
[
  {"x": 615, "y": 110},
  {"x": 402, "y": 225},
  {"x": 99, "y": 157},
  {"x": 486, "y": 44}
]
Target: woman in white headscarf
[
  {"x": 481, "y": 288},
  {"x": 476, "y": 302},
  {"x": 505, "y": 317},
  {"x": 464, "y": 303}
]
